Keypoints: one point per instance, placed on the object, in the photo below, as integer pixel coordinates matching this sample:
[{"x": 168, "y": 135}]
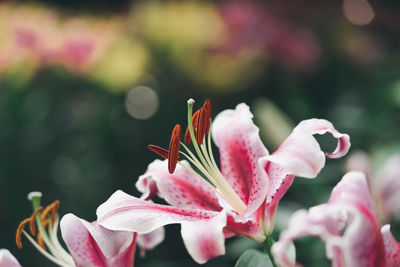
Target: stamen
[
  {"x": 159, "y": 151},
  {"x": 195, "y": 119},
  {"x": 174, "y": 146},
  {"x": 20, "y": 228},
  {"x": 202, "y": 125},
  {"x": 32, "y": 226},
  {"x": 39, "y": 239},
  {"x": 52, "y": 209},
  {"x": 207, "y": 107},
  {"x": 199, "y": 125}
]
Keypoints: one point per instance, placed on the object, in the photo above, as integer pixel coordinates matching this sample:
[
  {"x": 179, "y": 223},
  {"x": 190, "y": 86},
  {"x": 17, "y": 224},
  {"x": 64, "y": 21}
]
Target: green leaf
[{"x": 253, "y": 258}]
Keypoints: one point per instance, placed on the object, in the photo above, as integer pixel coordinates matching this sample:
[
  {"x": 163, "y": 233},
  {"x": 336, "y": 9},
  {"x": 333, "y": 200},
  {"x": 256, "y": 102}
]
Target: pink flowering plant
[{"x": 213, "y": 202}]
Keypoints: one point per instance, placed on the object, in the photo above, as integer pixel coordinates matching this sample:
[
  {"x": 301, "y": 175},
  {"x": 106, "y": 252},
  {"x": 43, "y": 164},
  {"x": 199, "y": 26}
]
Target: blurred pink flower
[
  {"x": 384, "y": 182},
  {"x": 349, "y": 226},
  {"x": 241, "y": 199},
  {"x": 251, "y": 25}
]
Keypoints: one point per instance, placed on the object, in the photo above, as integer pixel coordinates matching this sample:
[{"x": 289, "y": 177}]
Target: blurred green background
[{"x": 85, "y": 86}]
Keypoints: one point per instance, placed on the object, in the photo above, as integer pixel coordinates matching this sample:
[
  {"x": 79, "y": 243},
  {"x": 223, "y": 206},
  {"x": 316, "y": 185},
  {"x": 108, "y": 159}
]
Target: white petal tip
[
  {"x": 33, "y": 194},
  {"x": 190, "y": 101}
]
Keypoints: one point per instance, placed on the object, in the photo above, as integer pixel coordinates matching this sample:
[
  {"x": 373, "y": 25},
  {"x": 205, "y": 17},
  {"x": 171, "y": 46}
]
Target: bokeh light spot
[
  {"x": 358, "y": 12},
  {"x": 141, "y": 102}
]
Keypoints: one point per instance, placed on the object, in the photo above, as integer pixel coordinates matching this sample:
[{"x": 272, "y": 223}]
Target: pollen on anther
[
  {"x": 32, "y": 226},
  {"x": 39, "y": 239},
  {"x": 20, "y": 228},
  {"x": 174, "y": 146},
  {"x": 52, "y": 210},
  {"x": 203, "y": 122},
  {"x": 208, "y": 108},
  {"x": 195, "y": 119}
]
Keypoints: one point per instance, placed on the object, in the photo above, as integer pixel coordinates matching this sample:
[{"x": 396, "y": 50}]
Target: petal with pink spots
[
  {"x": 240, "y": 147},
  {"x": 180, "y": 189}
]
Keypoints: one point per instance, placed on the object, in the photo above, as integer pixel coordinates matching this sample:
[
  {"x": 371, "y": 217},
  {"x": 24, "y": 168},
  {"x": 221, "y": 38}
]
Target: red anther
[
  {"x": 207, "y": 107},
  {"x": 20, "y": 228},
  {"x": 174, "y": 145},
  {"x": 32, "y": 226},
  {"x": 195, "y": 117},
  {"x": 159, "y": 151},
  {"x": 202, "y": 125}
]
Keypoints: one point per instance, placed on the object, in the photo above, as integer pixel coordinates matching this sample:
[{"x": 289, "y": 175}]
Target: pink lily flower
[
  {"x": 213, "y": 204},
  {"x": 89, "y": 244},
  {"x": 349, "y": 226},
  {"x": 7, "y": 259},
  {"x": 384, "y": 182}
]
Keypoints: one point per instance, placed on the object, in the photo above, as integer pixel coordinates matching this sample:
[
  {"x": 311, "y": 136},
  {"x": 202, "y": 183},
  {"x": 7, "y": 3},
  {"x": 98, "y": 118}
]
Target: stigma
[
  {"x": 198, "y": 134},
  {"x": 43, "y": 226}
]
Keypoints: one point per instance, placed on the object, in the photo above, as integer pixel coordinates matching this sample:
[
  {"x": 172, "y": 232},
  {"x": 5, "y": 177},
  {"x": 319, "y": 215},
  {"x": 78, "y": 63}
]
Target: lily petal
[
  {"x": 93, "y": 245},
  {"x": 124, "y": 212},
  {"x": 387, "y": 184},
  {"x": 7, "y": 259},
  {"x": 152, "y": 239},
  {"x": 205, "y": 239},
  {"x": 392, "y": 248},
  {"x": 240, "y": 147},
  {"x": 361, "y": 243},
  {"x": 299, "y": 155},
  {"x": 180, "y": 189}
]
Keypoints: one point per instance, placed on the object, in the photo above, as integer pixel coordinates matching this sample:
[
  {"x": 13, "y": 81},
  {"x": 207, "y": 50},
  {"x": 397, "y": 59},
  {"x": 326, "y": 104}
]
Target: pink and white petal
[
  {"x": 318, "y": 222},
  {"x": 240, "y": 147},
  {"x": 127, "y": 213},
  {"x": 301, "y": 154},
  {"x": 152, "y": 239},
  {"x": 320, "y": 126},
  {"x": 93, "y": 245},
  {"x": 281, "y": 180},
  {"x": 127, "y": 258},
  {"x": 392, "y": 248},
  {"x": 205, "y": 239},
  {"x": 361, "y": 243},
  {"x": 353, "y": 190},
  {"x": 244, "y": 226},
  {"x": 180, "y": 189},
  {"x": 147, "y": 186},
  {"x": 7, "y": 259},
  {"x": 387, "y": 183}
]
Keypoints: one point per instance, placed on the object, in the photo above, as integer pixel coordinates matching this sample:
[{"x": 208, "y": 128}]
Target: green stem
[{"x": 267, "y": 247}]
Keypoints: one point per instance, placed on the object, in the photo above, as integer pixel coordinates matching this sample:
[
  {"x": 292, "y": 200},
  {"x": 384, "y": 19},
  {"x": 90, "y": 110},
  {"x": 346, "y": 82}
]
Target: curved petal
[
  {"x": 392, "y": 248},
  {"x": 93, "y": 245},
  {"x": 361, "y": 242},
  {"x": 299, "y": 155},
  {"x": 387, "y": 183},
  {"x": 7, "y": 259},
  {"x": 205, "y": 239},
  {"x": 240, "y": 147},
  {"x": 180, "y": 189},
  {"x": 124, "y": 212},
  {"x": 152, "y": 239}
]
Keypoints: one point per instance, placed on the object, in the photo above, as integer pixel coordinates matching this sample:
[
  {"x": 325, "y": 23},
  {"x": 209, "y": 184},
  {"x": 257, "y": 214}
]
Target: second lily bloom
[{"x": 211, "y": 203}]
